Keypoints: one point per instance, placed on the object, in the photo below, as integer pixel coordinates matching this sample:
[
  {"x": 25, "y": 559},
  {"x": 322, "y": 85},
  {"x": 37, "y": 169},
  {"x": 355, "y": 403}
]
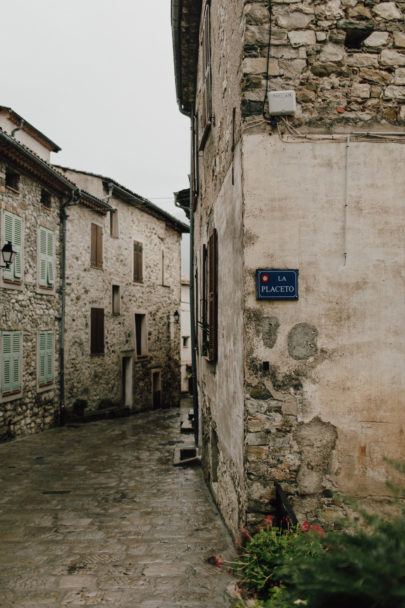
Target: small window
[
  {"x": 138, "y": 262},
  {"x": 11, "y": 351},
  {"x": 210, "y": 298},
  {"x": 46, "y": 258},
  {"x": 186, "y": 340},
  {"x": 97, "y": 331},
  {"x": 141, "y": 337},
  {"x": 114, "y": 223},
  {"x": 45, "y": 198},
  {"x": 115, "y": 299},
  {"x": 12, "y": 180},
  {"x": 46, "y": 354},
  {"x": 356, "y": 36},
  {"x": 96, "y": 260}
]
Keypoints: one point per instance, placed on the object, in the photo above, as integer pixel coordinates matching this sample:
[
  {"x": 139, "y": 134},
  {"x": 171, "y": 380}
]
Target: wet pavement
[{"x": 97, "y": 515}]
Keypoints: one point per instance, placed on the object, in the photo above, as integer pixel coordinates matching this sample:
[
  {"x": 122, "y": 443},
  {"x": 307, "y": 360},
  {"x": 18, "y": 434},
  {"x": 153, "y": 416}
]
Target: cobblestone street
[{"x": 97, "y": 515}]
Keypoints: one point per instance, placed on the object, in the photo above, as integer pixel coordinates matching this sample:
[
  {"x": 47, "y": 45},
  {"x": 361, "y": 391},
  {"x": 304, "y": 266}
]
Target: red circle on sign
[{"x": 265, "y": 278}]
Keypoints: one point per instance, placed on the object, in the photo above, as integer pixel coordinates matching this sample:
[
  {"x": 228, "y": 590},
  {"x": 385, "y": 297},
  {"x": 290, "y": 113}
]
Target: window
[
  {"x": 206, "y": 111},
  {"x": 46, "y": 258},
  {"x": 195, "y": 167},
  {"x": 114, "y": 223},
  {"x": 185, "y": 341},
  {"x": 46, "y": 353},
  {"x": 115, "y": 299},
  {"x": 210, "y": 298},
  {"x": 96, "y": 260},
  {"x": 45, "y": 198},
  {"x": 141, "y": 339},
  {"x": 97, "y": 331},
  {"x": 13, "y": 226},
  {"x": 12, "y": 180},
  {"x": 138, "y": 262},
  {"x": 11, "y": 350}
]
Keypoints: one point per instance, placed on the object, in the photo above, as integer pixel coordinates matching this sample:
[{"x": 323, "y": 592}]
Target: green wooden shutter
[
  {"x": 41, "y": 357},
  {"x": 43, "y": 258},
  {"x": 6, "y": 384},
  {"x": 50, "y": 258},
  {"x": 49, "y": 356},
  {"x": 13, "y": 233},
  {"x": 11, "y": 362}
]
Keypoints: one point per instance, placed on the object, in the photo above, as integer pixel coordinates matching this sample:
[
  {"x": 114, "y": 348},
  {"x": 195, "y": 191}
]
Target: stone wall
[
  {"x": 27, "y": 309},
  {"x": 98, "y": 378},
  {"x": 345, "y": 59}
]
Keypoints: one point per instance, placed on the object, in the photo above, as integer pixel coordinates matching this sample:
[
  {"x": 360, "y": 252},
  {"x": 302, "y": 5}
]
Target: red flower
[
  {"x": 218, "y": 561},
  {"x": 307, "y": 527},
  {"x": 269, "y": 519}
]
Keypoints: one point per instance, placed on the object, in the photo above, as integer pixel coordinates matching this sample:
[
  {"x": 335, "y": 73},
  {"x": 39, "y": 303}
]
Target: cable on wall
[{"x": 270, "y": 6}]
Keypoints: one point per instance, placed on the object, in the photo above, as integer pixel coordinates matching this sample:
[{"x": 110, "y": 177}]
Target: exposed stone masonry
[{"x": 345, "y": 59}]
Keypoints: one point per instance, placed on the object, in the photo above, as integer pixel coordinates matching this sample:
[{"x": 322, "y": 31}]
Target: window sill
[
  {"x": 12, "y": 284},
  {"x": 97, "y": 354},
  {"x": 48, "y": 386},
  {"x": 12, "y": 189},
  {"x": 96, "y": 267},
  {"x": 5, "y": 397}
]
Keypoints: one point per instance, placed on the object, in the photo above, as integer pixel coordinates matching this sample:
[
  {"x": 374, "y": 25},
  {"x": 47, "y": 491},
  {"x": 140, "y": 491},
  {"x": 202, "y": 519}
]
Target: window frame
[
  {"x": 13, "y": 177},
  {"x": 16, "y": 387},
  {"x": 114, "y": 224},
  {"x": 116, "y": 300},
  {"x": 206, "y": 87},
  {"x": 141, "y": 338},
  {"x": 210, "y": 299}
]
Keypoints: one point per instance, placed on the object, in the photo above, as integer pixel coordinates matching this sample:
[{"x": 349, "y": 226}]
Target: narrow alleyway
[{"x": 96, "y": 515}]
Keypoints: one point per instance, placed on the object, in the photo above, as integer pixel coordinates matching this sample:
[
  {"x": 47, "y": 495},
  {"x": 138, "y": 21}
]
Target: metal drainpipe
[{"x": 73, "y": 200}]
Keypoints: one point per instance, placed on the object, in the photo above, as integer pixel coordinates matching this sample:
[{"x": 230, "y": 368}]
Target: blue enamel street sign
[{"x": 277, "y": 284}]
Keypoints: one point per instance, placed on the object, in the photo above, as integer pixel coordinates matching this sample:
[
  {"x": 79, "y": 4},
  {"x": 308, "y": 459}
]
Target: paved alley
[{"x": 96, "y": 515}]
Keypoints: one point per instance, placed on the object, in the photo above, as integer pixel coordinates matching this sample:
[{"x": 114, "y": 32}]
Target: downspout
[
  {"x": 22, "y": 121},
  {"x": 73, "y": 200}
]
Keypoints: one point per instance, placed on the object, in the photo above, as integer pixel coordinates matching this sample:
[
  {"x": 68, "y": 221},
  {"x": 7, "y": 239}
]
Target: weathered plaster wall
[
  {"x": 345, "y": 59},
  {"x": 220, "y": 206},
  {"x": 221, "y": 383},
  {"x": 331, "y": 405},
  {"x": 24, "y": 308},
  {"x": 99, "y": 377}
]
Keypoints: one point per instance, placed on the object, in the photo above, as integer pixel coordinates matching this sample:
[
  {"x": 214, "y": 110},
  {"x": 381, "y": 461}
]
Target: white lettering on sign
[
  {"x": 277, "y": 289},
  {"x": 281, "y": 278}
]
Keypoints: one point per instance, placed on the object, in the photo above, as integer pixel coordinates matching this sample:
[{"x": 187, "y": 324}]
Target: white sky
[{"x": 97, "y": 78}]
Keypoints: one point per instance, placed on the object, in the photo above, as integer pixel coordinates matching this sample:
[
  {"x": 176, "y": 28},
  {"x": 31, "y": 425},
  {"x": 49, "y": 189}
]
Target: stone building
[
  {"x": 32, "y": 194},
  {"x": 298, "y": 115},
  {"x": 123, "y": 299}
]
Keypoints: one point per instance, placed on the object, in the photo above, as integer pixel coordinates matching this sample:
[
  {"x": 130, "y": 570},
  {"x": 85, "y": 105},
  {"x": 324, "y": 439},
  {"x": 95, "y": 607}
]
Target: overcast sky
[{"x": 97, "y": 78}]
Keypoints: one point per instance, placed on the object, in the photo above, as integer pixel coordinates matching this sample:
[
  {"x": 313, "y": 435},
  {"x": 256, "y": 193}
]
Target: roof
[
  {"x": 29, "y": 128},
  {"x": 134, "y": 199},
  {"x": 186, "y": 16},
  {"x": 33, "y": 164}
]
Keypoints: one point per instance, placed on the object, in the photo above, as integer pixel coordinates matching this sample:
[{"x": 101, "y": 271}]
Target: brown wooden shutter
[
  {"x": 97, "y": 331},
  {"x": 138, "y": 262},
  {"x": 204, "y": 301},
  {"x": 93, "y": 259},
  {"x": 213, "y": 296},
  {"x": 96, "y": 259}
]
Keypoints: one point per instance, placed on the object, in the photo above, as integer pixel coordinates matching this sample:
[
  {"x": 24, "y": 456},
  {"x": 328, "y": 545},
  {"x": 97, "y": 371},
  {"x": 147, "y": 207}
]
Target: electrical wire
[{"x": 270, "y": 6}]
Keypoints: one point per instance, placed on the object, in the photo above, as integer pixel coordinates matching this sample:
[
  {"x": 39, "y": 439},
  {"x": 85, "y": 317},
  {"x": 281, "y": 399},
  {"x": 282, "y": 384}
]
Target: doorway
[
  {"x": 156, "y": 389},
  {"x": 127, "y": 386}
]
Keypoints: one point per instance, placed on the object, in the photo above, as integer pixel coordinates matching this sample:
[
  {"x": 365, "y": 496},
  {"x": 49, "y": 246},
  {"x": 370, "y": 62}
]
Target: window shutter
[
  {"x": 50, "y": 258},
  {"x": 138, "y": 262},
  {"x": 97, "y": 331},
  {"x": 206, "y": 114},
  {"x": 49, "y": 357},
  {"x": 11, "y": 362},
  {"x": 93, "y": 257},
  {"x": 13, "y": 233},
  {"x": 6, "y": 384},
  {"x": 43, "y": 258},
  {"x": 213, "y": 297},
  {"x": 204, "y": 303},
  {"x": 42, "y": 357},
  {"x": 99, "y": 262}
]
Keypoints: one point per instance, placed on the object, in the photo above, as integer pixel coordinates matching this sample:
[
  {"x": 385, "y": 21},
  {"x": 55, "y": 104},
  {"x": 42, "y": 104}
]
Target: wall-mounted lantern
[
  {"x": 8, "y": 254},
  {"x": 176, "y": 316}
]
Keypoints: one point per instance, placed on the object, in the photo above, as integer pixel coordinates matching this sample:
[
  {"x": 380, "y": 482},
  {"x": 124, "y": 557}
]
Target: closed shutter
[
  {"x": 97, "y": 331},
  {"x": 204, "y": 302},
  {"x": 13, "y": 233},
  {"x": 46, "y": 257},
  {"x": 11, "y": 362},
  {"x": 138, "y": 262},
  {"x": 213, "y": 297},
  {"x": 96, "y": 256},
  {"x": 45, "y": 357}
]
